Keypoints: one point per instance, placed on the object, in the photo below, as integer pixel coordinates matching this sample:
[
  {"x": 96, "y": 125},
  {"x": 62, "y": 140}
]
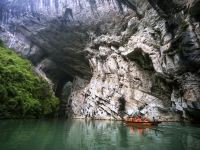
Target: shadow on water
[{"x": 95, "y": 135}]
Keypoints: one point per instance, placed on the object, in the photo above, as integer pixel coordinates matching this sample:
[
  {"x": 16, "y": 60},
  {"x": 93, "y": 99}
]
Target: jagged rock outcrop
[
  {"x": 146, "y": 68},
  {"x": 52, "y": 34},
  {"x": 145, "y": 60}
]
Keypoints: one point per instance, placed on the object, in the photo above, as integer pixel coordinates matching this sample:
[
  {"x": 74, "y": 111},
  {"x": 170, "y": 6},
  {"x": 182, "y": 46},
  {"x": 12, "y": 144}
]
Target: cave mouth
[
  {"x": 63, "y": 90},
  {"x": 61, "y": 83}
]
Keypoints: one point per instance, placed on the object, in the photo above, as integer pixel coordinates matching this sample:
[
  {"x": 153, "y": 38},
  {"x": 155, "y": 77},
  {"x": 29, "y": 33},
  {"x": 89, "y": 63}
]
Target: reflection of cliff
[
  {"x": 139, "y": 130},
  {"x": 82, "y": 134},
  {"x": 100, "y": 134},
  {"x": 94, "y": 134}
]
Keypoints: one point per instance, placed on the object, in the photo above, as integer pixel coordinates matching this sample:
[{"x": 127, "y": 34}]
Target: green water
[{"x": 95, "y": 135}]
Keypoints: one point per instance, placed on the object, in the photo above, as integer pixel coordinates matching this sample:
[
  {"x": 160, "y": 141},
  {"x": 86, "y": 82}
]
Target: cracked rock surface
[{"x": 145, "y": 60}]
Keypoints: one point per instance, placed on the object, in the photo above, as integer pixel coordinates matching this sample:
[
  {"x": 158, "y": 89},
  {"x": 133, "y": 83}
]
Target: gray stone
[{"x": 145, "y": 60}]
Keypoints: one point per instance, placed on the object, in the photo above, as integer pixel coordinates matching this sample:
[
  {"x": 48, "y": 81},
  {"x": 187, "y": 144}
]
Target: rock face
[
  {"x": 52, "y": 33},
  {"x": 146, "y": 68},
  {"x": 145, "y": 60}
]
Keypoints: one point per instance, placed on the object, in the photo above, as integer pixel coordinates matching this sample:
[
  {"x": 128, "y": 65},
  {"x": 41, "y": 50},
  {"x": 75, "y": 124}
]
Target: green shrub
[
  {"x": 1, "y": 43},
  {"x": 22, "y": 92}
]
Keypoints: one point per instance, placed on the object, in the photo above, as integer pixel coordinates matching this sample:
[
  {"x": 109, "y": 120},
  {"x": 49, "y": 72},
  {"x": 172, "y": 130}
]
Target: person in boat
[
  {"x": 138, "y": 118},
  {"x": 134, "y": 117},
  {"x": 145, "y": 120}
]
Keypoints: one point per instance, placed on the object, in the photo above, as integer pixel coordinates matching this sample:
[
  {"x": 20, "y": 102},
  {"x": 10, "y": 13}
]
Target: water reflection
[
  {"x": 95, "y": 135},
  {"x": 138, "y": 130}
]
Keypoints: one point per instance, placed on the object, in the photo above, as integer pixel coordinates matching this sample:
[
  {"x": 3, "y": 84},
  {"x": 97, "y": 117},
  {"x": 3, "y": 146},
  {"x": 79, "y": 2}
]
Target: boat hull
[{"x": 143, "y": 123}]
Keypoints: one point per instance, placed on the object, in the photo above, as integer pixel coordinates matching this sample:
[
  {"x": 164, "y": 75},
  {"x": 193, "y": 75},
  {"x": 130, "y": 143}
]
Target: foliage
[
  {"x": 1, "y": 42},
  {"x": 23, "y": 94}
]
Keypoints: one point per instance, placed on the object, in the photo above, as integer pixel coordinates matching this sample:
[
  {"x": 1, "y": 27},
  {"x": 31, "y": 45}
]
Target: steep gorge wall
[
  {"x": 151, "y": 67},
  {"x": 145, "y": 60}
]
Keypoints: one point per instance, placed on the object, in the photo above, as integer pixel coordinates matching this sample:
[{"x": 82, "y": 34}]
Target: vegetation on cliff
[{"x": 23, "y": 94}]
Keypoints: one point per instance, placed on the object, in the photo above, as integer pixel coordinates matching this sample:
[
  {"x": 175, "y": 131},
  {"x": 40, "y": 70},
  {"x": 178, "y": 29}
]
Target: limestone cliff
[{"x": 123, "y": 56}]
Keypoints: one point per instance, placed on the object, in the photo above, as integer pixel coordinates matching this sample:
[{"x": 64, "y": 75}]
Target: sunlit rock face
[{"x": 122, "y": 57}]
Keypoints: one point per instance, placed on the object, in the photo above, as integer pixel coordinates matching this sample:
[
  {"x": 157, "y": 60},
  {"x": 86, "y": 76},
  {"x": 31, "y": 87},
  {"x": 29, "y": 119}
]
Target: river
[{"x": 95, "y": 135}]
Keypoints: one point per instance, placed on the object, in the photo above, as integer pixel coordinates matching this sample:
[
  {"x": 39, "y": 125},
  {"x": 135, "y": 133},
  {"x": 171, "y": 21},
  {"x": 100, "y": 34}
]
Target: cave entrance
[
  {"x": 63, "y": 91},
  {"x": 61, "y": 83}
]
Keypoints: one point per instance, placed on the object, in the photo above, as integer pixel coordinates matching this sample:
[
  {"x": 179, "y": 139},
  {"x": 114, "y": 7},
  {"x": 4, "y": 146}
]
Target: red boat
[{"x": 141, "y": 121}]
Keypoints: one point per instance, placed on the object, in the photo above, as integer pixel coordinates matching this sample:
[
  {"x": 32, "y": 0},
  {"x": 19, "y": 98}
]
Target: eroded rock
[{"x": 145, "y": 60}]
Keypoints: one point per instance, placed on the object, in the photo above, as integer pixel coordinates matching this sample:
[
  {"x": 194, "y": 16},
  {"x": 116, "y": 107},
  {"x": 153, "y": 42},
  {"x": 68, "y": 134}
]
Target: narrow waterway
[{"x": 95, "y": 135}]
